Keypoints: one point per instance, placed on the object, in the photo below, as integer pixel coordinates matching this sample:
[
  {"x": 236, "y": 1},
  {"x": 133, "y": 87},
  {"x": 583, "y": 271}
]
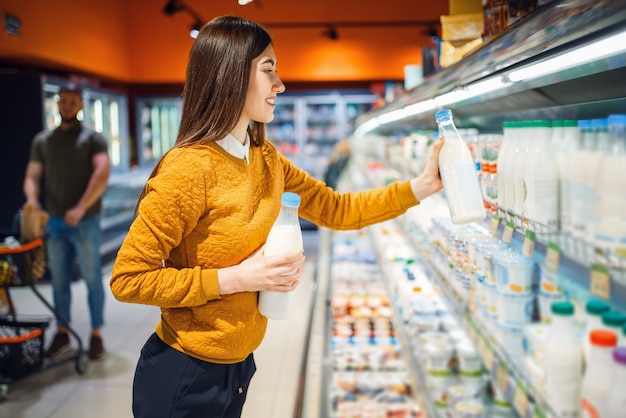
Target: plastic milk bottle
[
  {"x": 563, "y": 362},
  {"x": 285, "y": 236},
  {"x": 458, "y": 174}
]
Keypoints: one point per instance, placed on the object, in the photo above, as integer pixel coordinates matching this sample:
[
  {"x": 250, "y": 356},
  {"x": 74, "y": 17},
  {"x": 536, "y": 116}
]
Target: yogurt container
[{"x": 514, "y": 274}]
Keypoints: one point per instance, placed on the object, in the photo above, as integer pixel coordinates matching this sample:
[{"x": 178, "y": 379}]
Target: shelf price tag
[
  {"x": 538, "y": 413},
  {"x": 495, "y": 223},
  {"x": 520, "y": 400},
  {"x": 529, "y": 243},
  {"x": 507, "y": 235},
  {"x": 502, "y": 377},
  {"x": 553, "y": 256},
  {"x": 600, "y": 281},
  {"x": 489, "y": 358}
]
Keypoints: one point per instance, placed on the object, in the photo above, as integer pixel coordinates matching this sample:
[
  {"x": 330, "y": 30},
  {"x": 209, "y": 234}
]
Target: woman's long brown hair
[{"x": 218, "y": 74}]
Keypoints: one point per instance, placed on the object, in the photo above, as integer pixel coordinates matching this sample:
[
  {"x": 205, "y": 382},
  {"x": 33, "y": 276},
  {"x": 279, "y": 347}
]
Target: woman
[{"x": 195, "y": 248}]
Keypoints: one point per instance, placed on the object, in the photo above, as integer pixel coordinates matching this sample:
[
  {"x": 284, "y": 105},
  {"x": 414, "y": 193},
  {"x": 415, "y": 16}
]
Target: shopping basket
[
  {"x": 24, "y": 264},
  {"x": 21, "y": 347}
]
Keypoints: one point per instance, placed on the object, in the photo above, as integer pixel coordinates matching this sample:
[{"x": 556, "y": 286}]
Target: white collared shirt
[{"x": 236, "y": 148}]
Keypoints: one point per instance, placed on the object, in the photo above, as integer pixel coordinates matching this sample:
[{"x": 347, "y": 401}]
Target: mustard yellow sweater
[{"x": 206, "y": 210}]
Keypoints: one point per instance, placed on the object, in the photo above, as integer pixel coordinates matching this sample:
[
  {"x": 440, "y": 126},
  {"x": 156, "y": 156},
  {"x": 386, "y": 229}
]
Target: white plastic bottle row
[{"x": 567, "y": 174}]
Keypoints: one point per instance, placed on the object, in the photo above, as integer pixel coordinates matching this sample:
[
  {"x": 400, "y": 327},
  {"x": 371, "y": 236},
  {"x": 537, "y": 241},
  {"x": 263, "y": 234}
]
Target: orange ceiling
[{"x": 134, "y": 41}]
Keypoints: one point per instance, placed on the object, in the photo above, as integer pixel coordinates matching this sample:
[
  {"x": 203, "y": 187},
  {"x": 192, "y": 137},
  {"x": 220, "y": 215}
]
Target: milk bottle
[
  {"x": 593, "y": 320},
  {"x": 598, "y": 374},
  {"x": 285, "y": 236},
  {"x": 616, "y": 399},
  {"x": 458, "y": 174},
  {"x": 541, "y": 176},
  {"x": 610, "y": 208},
  {"x": 509, "y": 170},
  {"x": 519, "y": 167},
  {"x": 563, "y": 362},
  {"x": 583, "y": 169},
  {"x": 569, "y": 144},
  {"x": 614, "y": 321},
  {"x": 506, "y": 150}
]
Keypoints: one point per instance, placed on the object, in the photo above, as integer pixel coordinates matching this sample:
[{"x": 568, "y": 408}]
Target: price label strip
[
  {"x": 502, "y": 377},
  {"x": 520, "y": 400},
  {"x": 529, "y": 243},
  {"x": 495, "y": 223},
  {"x": 553, "y": 256},
  {"x": 507, "y": 235},
  {"x": 600, "y": 281}
]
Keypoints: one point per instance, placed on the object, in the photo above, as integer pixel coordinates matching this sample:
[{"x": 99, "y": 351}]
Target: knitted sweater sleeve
[
  {"x": 353, "y": 210},
  {"x": 174, "y": 202}
]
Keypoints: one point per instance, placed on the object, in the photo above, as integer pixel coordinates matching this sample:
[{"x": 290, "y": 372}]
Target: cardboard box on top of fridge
[
  {"x": 461, "y": 27},
  {"x": 454, "y": 51}
]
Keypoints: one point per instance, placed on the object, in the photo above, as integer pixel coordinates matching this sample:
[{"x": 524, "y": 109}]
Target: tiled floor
[{"x": 104, "y": 391}]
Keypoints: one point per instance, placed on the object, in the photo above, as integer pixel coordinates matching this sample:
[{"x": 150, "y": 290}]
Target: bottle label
[{"x": 463, "y": 192}]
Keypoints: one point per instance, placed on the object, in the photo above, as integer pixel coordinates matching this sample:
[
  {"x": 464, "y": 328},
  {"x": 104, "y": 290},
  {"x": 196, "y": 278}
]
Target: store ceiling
[{"x": 135, "y": 41}]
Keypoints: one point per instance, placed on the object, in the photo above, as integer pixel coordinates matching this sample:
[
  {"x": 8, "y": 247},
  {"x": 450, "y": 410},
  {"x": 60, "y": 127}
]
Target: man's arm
[
  {"x": 32, "y": 183},
  {"x": 95, "y": 188}
]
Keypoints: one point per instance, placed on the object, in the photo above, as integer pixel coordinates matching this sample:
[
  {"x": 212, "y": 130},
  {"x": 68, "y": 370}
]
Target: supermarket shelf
[
  {"x": 315, "y": 396},
  {"x": 597, "y": 271},
  {"x": 416, "y": 370},
  {"x": 505, "y": 372}
]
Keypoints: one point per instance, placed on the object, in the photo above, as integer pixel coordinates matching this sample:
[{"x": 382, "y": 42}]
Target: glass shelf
[
  {"x": 505, "y": 372},
  {"x": 598, "y": 271}
]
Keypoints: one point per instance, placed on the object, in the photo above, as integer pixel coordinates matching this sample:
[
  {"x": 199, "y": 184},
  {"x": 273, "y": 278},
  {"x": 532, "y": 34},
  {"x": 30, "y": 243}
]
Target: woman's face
[{"x": 263, "y": 88}]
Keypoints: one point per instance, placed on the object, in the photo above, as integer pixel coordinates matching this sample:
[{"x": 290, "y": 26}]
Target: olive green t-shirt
[{"x": 66, "y": 156}]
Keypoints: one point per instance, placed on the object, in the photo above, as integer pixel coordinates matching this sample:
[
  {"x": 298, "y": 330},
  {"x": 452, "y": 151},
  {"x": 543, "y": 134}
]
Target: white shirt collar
[{"x": 236, "y": 148}]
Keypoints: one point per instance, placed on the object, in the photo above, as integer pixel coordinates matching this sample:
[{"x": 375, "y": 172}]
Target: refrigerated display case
[
  {"x": 306, "y": 127},
  {"x": 107, "y": 112},
  {"x": 158, "y": 119},
  {"x": 518, "y": 75}
]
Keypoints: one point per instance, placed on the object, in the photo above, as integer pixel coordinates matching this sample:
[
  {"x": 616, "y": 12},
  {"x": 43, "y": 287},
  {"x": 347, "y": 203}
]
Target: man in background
[{"x": 73, "y": 163}]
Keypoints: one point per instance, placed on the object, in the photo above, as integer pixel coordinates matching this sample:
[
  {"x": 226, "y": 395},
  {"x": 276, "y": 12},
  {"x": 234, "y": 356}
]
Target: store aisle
[{"x": 104, "y": 391}]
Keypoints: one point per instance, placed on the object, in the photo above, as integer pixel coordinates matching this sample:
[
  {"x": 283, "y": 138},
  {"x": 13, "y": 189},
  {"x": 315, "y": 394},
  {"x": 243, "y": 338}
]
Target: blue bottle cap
[
  {"x": 290, "y": 199},
  {"x": 443, "y": 115}
]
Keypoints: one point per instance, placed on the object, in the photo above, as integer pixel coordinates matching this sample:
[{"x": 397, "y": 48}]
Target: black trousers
[{"x": 170, "y": 384}]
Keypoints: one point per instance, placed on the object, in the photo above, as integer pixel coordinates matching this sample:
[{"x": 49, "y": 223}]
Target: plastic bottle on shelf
[
  {"x": 541, "y": 176},
  {"x": 598, "y": 374},
  {"x": 519, "y": 167},
  {"x": 458, "y": 174},
  {"x": 570, "y": 144},
  {"x": 563, "y": 362},
  {"x": 284, "y": 236},
  {"x": 614, "y": 321},
  {"x": 610, "y": 203},
  {"x": 556, "y": 142},
  {"x": 504, "y": 156},
  {"x": 616, "y": 399},
  {"x": 584, "y": 165},
  {"x": 509, "y": 169},
  {"x": 594, "y": 309}
]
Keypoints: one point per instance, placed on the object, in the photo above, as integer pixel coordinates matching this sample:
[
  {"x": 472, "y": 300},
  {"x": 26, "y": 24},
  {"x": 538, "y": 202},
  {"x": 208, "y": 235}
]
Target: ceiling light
[
  {"x": 195, "y": 29},
  {"x": 244, "y": 2}
]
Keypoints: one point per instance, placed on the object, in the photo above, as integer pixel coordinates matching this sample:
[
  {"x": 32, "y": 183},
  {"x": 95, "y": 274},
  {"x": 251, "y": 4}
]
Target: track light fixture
[
  {"x": 174, "y": 6},
  {"x": 331, "y": 32},
  {"x": 195, "y": 29}
]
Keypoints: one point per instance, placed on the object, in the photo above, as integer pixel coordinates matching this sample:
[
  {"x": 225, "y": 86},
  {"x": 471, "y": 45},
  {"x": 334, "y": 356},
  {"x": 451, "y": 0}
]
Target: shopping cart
[{"x": 22, "y": 337}]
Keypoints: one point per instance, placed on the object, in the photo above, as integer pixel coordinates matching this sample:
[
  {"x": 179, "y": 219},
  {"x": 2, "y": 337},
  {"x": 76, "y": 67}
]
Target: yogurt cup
[{"x": 514, "y": 273}]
